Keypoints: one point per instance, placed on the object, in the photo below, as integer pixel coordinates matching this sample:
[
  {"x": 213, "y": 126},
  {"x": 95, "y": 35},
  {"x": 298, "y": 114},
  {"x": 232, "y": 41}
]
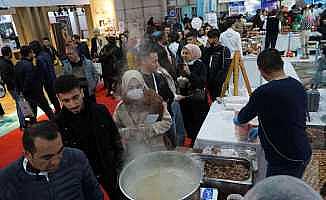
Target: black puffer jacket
[{"x": 217, "y": 59}]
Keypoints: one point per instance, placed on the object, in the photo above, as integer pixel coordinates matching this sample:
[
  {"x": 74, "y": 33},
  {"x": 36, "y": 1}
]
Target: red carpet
[{"x": 11, "y": 146}]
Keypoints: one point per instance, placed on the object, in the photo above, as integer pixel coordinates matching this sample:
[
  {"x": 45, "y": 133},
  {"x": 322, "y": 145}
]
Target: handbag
[
  {"x": 198, "y": 94},
  {"x": 3, "y": 90},
  {"x": 27, "y": 112}
]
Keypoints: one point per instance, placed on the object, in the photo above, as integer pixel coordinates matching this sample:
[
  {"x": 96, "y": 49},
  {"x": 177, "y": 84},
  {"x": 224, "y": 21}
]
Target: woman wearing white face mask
[{"x": 142, "y": 117}]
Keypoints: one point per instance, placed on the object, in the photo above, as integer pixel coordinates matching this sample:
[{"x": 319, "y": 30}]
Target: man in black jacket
[
  {"x": 82, "y": 47},
  {"x": 7, "y": 75},
  {"x": 165, "y": 57},
  {"x": 111, "y": 59},
  {"x": 45, "y": 63},
  {"x": 273, "y": 27},
  {"x": 89, "y": 126},
  {"x": 49, "y": 49},
  {"x": 29, "y": 82},
  {"x": 7, "y": 69},
  {"x": 217, "y": 58}
]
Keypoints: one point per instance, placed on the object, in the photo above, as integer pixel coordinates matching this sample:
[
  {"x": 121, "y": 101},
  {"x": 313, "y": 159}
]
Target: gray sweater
[{"x": 74, "y": 180}]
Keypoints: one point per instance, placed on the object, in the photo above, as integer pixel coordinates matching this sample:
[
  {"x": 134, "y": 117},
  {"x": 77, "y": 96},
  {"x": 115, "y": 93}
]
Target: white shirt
[
  {"x": 174, "y": 46},
  {"x": 232, "y": 40}
]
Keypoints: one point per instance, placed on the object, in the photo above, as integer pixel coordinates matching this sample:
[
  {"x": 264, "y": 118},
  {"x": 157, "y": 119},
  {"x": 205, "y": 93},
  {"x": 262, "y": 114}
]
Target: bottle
[{"x": 299, "y": 53}]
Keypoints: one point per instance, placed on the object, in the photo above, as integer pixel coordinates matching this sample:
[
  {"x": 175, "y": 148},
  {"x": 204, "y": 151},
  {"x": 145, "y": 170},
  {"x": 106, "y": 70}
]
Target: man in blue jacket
[
  {"x": 44, "y": 62},
  {"x": 281, "y": 107},
  {"x": 48, "y": 170},
  {"x": 29, "y": 82}
]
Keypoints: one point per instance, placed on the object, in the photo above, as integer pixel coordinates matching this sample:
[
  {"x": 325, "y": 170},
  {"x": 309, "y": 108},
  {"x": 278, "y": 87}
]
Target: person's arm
[
  {"x": 164, "y": 124},
  {"x": 65, "y": 67},
  {"x": 28, "y": 78},
  {"x": 93, "y": 73},
  {"x": 248, "y": 112},
  {"x": 225, "y": 63},
  {"x": 90, "y": 186},
  {"x": 169, "y": 95},
  {"x": 93, "y": 48},
  {"x": 239, "y": 44},
  {"x": 85, "y": 50},
  {"x": 115, "y": 142}
]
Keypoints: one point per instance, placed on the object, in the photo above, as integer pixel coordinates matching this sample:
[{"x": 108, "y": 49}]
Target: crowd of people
[{"x": 164, "y": 81}]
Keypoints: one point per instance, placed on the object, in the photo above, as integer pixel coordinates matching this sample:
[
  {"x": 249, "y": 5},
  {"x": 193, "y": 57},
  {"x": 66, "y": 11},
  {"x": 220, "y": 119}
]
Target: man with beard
[
  {"x": 89, "y": 127},
  {"x": 217, "y": 58}
]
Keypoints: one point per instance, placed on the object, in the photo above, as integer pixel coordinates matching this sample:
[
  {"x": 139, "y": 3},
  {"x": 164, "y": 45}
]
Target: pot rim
[{"x": 161, "y": 152}]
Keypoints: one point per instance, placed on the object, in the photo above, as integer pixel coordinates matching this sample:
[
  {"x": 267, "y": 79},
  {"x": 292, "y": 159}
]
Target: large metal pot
[{"x": 161, "y": 175}]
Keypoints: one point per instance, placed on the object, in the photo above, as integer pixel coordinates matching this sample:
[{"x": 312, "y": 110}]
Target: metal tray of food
[{"x": 241, "y": 175}]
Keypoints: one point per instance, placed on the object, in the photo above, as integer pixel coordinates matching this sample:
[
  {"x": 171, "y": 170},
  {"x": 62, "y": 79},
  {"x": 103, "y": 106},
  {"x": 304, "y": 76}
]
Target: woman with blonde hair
[{"x": 142, "y": 117}]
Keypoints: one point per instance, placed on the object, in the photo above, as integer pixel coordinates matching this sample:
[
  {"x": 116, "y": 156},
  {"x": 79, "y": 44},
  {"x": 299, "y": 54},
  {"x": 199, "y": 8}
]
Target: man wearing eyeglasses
[{"x": 47, "y": 170}]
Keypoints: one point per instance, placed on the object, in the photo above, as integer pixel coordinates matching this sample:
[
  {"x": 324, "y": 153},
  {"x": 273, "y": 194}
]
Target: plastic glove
[{"x": 253, "y": 134}]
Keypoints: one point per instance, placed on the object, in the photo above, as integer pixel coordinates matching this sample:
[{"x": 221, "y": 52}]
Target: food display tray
[{"x": 224, "y": 160}]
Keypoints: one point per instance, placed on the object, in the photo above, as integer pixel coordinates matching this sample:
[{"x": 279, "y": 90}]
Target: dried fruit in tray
[{"x": 231, "y": 171}]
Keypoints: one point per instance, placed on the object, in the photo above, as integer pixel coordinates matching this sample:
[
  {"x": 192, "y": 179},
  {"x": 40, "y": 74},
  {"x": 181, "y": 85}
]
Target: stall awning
[{"x": 40, "y": 3}]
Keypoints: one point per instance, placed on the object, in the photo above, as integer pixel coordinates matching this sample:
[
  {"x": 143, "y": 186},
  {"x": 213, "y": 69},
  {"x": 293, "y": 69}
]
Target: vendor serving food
[{"x": 281, "y": 107}]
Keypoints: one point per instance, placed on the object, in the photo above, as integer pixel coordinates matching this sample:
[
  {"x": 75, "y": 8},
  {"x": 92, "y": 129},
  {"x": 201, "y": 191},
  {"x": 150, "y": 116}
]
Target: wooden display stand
[{"x": 235, "y": 65}]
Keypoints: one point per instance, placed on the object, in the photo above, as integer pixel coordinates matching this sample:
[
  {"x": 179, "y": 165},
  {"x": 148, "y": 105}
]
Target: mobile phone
[{"x": 208, "y": 193}]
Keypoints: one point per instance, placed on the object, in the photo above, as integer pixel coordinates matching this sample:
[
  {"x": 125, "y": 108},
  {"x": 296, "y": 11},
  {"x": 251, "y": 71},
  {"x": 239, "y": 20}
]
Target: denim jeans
[
  {"x": 177, "y": 123},
  {"x": 15, "y": 95}
]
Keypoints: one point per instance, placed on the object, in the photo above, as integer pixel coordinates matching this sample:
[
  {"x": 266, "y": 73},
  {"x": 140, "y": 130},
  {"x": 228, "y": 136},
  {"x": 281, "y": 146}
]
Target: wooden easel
[{"x": 234, "y": 68}]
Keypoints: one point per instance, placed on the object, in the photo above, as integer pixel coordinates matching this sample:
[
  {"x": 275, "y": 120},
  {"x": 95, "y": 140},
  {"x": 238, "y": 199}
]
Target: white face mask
[{"x": 135, "y": 94}]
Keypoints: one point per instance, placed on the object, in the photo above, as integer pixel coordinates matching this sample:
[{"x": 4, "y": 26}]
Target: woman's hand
[
  {"x": 187, "y": 70},
  {"x": 178, "y": 97}
]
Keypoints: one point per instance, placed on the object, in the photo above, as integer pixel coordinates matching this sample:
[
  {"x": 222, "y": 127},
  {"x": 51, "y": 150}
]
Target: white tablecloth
[{"x": 283, "y": 41}]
